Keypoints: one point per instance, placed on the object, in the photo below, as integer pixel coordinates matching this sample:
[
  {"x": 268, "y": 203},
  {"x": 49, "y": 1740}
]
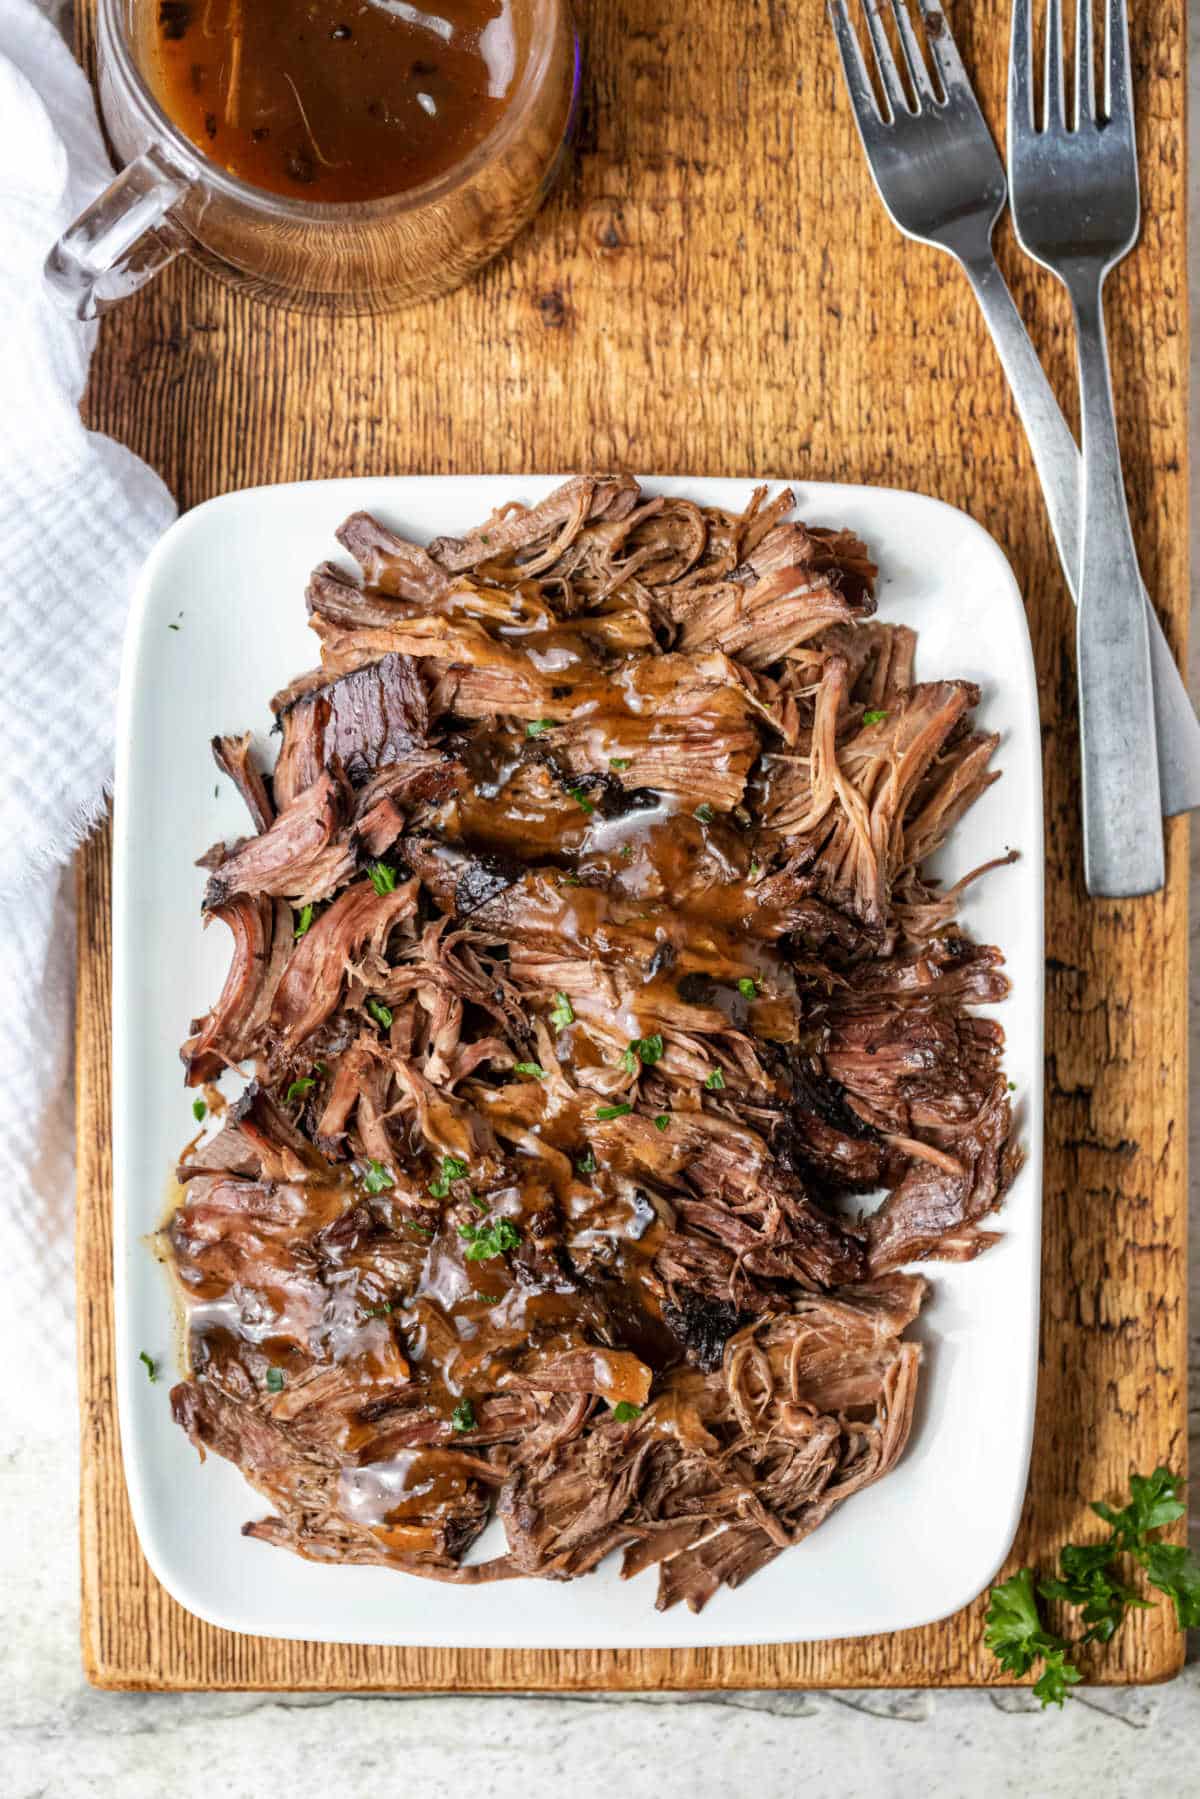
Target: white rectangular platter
[{"x": 218, "y": 624}]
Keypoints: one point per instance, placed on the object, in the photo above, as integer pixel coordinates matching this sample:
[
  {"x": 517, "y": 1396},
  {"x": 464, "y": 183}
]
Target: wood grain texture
[{"x": 715, "y": 289}]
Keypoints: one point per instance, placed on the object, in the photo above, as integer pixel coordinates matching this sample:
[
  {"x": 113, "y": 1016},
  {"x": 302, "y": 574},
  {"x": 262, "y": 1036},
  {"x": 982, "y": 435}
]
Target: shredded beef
[{"x": 587, "y": 981}]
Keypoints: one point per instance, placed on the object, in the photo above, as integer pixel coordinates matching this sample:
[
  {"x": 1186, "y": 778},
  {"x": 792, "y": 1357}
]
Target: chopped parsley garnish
[
  {"x": 606, "y": 1112},
  {"x": 383, "y": 1311},
  {"x": 299, "y": 1088},
  {"x": 715, "y": 1081},
  {"x": 151, "y": 1366},
  {"x": 532, "y": 1068},
  {"x": 748, "y": 987},
  {"x": 383, "y": 877},
  {"x": 624, "y": 1413},
  {"x": 620, "y": 762},
  {"x": 874, "y": 717},
  {"x": 172, "y": 627},
  {"x": 1012, "y": 1086},
  {"x": 304, "y": 921},
  {"x": 586, "y": 1163},
  {"x": 494, "y": 1238},
  {"x": 627, "y": 852},
  {"x": 704, "y": 813},
  {"x": 536, "y": 726},
  {"x": 581, "y": 799},
  {"x": 463, "y": 1415},
  {"x": 663, "y": 1120},
  {"x": 488, "y": 1299},
  {"x": 562, "y": 1013},
  {"x": 646, "y": 1050},
  {"x": 421, "y": 1230},
  {"x": 481, "y": 1205},
  {"x": 199, "y": 1110},
  {"x": 377, "y": 1178},
  {"x": 380, "y": 1013},
  {"x": 755, "y": 867},
  {"x": 452, "y": 1170},
  {"x": 275, "y": 1380}
]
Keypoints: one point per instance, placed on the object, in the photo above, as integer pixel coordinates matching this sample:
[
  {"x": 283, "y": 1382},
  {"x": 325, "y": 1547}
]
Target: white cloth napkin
[{"x": 78, "y": 513}]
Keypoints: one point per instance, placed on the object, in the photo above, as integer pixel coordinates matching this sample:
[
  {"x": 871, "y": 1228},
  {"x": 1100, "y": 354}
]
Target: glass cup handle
[{"x": 124, "y": 237}]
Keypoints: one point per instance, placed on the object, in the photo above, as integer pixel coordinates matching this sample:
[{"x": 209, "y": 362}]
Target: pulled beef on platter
[{"x": 587, "y": 977}]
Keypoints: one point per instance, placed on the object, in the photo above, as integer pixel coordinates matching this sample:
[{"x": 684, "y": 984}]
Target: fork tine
[
  {"x": 1117, "y": 104},
  {"x": 1085, "y": 64},
  {"x": 914, "y": 62},
  {"x": 1053, "y": 103},
  {"x": 889, "y": 74},
  {"x": 858, "y": 82},
  {"x": 944, "y": 50},
  {"x": 1020, "y": 69}
]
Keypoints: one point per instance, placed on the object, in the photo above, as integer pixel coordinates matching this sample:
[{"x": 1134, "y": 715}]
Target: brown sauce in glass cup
[{"x": 334, "y": 100}]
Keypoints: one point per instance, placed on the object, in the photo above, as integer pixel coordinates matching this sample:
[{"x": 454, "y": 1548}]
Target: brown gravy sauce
[
  {"x": 333, "y": 100},
  {"x": 658, "y": 891}
]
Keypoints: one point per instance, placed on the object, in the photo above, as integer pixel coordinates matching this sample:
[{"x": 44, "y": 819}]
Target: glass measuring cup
[{"x": 356, "y": 256}]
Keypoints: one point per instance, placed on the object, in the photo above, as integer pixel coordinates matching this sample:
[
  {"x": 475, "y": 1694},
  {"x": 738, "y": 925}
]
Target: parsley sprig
[
  {"x": 1090, "y": 1578},
  {"x": 1170, "y": 1567},
  {"x": 1016, "y": 1637}
]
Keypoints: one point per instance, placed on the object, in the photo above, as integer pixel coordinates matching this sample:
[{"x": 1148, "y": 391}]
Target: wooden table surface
[{"x": 714, "y": 289}]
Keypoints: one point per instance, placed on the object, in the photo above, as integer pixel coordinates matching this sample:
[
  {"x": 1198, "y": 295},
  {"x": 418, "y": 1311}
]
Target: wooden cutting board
[{"x": 715, "y": 289}]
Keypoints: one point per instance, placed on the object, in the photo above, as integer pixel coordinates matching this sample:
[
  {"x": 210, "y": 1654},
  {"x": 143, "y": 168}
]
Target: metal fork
[
  {"x": 1075, "y": 209},
  {"x": 942, "y": 182}
]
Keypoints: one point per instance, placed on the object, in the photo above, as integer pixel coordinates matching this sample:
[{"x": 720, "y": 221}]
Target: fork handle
[
  {"x": 1056, "y": 459},
  {"x": 1122, "y": 822},
  {"x": 1055, "y": 454}
]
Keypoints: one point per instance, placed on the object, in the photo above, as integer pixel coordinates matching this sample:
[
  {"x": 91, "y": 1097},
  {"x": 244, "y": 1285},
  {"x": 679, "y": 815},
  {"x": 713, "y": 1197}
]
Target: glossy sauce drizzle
[{"x": 658, "y": 893}]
